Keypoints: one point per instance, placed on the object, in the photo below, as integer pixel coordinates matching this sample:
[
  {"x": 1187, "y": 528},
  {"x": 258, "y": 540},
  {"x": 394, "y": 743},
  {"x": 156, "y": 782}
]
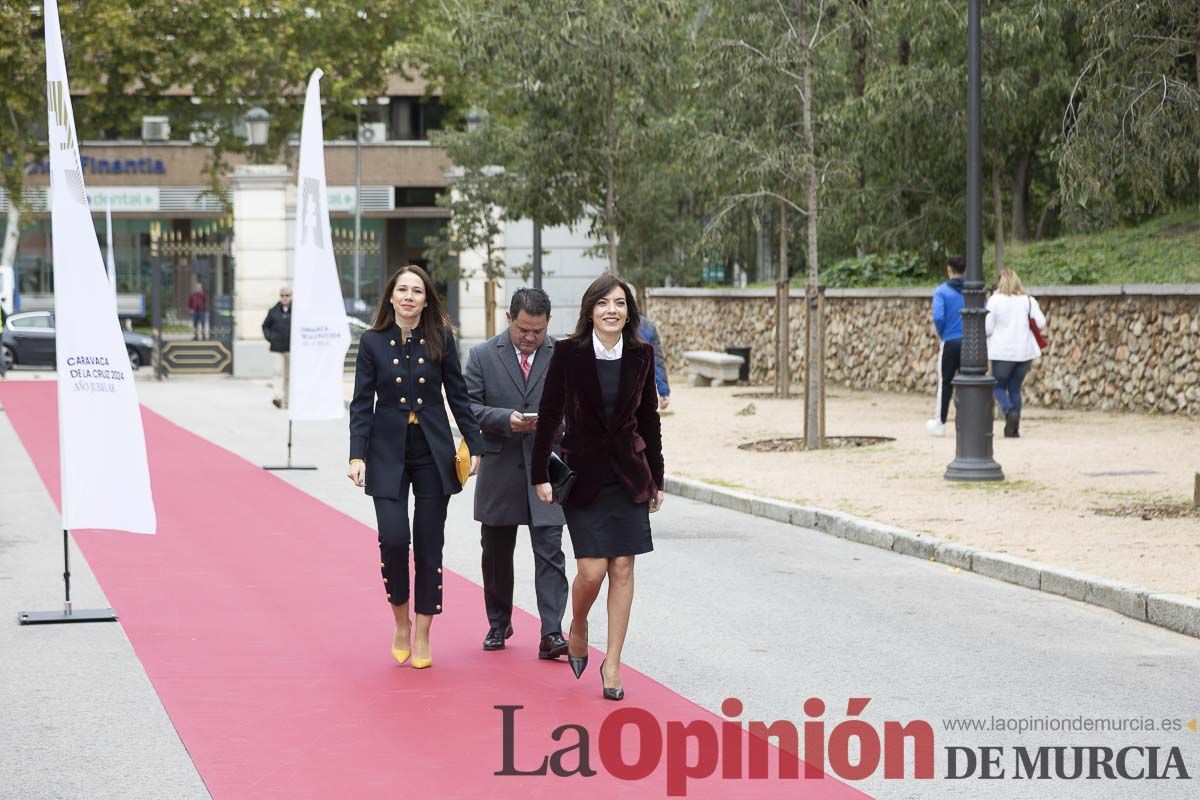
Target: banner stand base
[
  {"x": 289, "y": 464},
  {"x": 65, "y": 616},
  {"x": 69, "y": 613}
]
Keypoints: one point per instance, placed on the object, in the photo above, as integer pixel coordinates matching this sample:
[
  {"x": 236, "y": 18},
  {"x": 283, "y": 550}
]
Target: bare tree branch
[
  {"x": 747, "y": 46},
  {"x": 1070, "y": 113},
  {"x": 1131, "y": 112},
  {"x": 783, "y": 13},
  {"x": 732, "y": 202}
]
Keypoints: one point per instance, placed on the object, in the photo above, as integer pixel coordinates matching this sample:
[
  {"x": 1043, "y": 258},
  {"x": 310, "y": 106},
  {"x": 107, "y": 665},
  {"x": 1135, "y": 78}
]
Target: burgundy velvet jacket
[{"x": 631, "y": 441}]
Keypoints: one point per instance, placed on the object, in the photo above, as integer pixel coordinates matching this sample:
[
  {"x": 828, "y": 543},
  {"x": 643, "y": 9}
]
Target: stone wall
[{"x": 1133, "y": 348}]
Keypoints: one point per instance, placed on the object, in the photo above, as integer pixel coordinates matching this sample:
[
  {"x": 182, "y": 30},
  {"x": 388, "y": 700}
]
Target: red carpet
[{"x": 258, "y": 616}]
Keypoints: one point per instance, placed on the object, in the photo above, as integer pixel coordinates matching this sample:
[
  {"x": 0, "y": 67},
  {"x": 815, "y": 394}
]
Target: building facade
[{"x": 159, "y": 186}]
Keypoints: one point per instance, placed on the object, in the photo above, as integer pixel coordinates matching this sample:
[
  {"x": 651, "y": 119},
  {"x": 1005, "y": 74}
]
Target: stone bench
[{"x": 706, "y": 367}]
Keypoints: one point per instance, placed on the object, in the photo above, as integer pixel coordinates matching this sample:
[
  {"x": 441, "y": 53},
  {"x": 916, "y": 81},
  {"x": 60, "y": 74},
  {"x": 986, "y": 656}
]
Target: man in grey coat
[{"x": 505, "y": 376}]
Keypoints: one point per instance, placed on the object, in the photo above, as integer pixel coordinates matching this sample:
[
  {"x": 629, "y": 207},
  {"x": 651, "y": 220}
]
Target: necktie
[{"x": 525, "y": 365}]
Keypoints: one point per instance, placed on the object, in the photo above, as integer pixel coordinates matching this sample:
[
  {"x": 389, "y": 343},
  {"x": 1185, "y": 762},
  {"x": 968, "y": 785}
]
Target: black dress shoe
[
  {"x": 495, "y": 638},
  {"x": 553, "y": 645}
]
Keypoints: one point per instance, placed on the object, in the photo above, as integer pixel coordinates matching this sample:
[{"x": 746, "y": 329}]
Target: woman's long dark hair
[
  {"x": 434, "y": 320},
  {"x": 594, "y": 294}
]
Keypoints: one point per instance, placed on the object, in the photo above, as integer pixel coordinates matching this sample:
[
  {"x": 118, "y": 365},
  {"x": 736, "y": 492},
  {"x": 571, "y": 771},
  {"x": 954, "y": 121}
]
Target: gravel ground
[{"x": 1066, "y": 467}]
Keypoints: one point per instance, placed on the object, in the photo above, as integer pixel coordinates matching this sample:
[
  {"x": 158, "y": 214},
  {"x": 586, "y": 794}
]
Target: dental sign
[
  {"x": 341, "y": 198},
  {"x": 121, "y": 198}
]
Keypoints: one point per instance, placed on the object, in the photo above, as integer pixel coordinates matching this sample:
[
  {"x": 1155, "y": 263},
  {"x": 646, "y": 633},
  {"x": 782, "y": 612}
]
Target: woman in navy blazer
[
  {"x": 601, "y": 383},
  {"x": 400, "y": 438}
]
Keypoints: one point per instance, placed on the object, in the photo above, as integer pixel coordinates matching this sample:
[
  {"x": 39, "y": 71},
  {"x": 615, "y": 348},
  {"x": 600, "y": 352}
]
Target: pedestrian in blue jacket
[
  {"x": 649, "y": 333},
  {"x": 947, "y": 321}
]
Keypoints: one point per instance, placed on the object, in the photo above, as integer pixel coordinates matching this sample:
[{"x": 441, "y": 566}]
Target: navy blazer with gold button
[{"x": 392, "y": 378}]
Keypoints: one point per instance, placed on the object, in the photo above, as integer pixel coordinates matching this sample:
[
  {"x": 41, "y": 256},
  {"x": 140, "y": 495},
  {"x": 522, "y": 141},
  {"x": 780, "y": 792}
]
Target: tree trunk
[
  {"x": 998, "y": 214},
  {"x": 12, "y": 234},
  {"x": 813, "y": 390},
  {"x": 489, "y": 308},
  {"x": 610, "y": 200},
  {"x": 1020, "y": 198},
  {"x": 489, "y": 297},
  {"x": 858, "y": 43},
  {"x": 639, "y": 291},
  {"x": 783, "y": 333},
  {"x": 1041, "y": 226},
  {"x": 766, "y": 266}
]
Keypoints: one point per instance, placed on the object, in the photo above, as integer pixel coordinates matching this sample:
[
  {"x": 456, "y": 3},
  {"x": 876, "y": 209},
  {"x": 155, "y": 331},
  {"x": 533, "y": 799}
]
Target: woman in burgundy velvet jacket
[{"x": 601, "y": 383}]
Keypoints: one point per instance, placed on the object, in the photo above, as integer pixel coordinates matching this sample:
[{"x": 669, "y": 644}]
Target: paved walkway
[
  {"x": 80, "y": 717},
  {"x": 1067, "y": 467}
]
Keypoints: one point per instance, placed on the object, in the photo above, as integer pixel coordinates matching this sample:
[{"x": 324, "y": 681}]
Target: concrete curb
[{"x": 1174, "y": 612}]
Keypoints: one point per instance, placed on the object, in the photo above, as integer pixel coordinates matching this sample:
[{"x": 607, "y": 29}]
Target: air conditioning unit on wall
[
  {"x": 156, "y": 129},
  {"x": 372, "y": 132}
]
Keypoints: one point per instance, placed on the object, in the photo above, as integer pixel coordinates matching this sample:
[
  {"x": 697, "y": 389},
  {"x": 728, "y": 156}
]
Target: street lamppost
[
  {"x": 358, "y": 135},
  {"x": 156, "y": 321},
  {"x": 973, "y": 423}
]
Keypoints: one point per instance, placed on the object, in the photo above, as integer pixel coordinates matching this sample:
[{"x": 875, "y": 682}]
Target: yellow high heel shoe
[
  {"x": 401, "y": 654},
  {"x": 422, "y": 663}
]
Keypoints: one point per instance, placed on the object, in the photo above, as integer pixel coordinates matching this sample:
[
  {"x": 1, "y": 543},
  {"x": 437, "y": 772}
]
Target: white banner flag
[
  {"x": 320, "y": 333},
  {"x": 105, "y": 476}
]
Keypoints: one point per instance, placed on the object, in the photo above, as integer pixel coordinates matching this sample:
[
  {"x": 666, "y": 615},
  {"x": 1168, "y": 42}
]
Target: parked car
[{"x": 28, "y": 340}]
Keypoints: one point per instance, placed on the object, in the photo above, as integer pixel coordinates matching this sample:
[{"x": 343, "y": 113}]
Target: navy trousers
[{"x": 428, "y": 531}]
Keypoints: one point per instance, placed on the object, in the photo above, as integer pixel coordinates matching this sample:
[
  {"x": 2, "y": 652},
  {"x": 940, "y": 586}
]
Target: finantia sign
[{"x": 107, "y": 166}]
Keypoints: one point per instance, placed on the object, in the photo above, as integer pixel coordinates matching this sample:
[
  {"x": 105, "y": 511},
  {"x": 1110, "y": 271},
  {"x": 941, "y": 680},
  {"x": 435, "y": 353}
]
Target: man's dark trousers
[
  {"x": 550, "y": 575},
  {"x": 505, "y": 498}
]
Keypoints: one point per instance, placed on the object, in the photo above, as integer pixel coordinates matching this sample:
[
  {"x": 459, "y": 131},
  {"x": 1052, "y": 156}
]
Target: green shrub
[{"x": 890, "y": 269}]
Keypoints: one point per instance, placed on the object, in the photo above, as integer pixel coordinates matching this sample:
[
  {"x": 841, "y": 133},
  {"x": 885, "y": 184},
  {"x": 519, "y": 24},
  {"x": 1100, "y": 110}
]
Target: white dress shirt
[
  {"x": 531, "y": 355},
  {"x": 607, "y": 355}
]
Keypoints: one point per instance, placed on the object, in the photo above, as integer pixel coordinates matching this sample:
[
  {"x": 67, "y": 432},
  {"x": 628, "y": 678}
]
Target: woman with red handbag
[{"x": 1014, "y": 338}]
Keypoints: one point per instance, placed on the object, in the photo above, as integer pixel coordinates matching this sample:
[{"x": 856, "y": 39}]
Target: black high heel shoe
[
  {"x": 578, "y": 663},
  {"x": 610, "y": 694}
]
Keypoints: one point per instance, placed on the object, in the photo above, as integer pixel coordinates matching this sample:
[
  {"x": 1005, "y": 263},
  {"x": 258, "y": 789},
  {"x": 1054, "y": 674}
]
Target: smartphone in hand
[{"x": 529, "y": 416}]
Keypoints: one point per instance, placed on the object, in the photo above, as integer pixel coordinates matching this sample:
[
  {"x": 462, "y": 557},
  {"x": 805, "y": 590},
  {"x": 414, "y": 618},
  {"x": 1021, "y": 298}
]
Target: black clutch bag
[{"x": 562, "y": 478}]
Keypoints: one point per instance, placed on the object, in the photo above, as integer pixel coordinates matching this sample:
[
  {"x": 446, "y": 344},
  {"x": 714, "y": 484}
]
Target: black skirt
[{"x": 612, "y": 525}]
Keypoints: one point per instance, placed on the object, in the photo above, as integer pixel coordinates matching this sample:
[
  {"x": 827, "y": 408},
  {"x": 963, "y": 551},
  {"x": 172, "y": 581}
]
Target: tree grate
[{"x": 794, "y": 444}]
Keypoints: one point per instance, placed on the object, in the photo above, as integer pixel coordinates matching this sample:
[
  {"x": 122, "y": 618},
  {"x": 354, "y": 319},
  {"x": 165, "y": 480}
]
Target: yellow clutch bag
[{"x": 462, "y": 462}]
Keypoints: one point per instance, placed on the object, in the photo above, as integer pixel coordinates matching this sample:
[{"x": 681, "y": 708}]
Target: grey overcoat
[{"x": 496, "y": 387}]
